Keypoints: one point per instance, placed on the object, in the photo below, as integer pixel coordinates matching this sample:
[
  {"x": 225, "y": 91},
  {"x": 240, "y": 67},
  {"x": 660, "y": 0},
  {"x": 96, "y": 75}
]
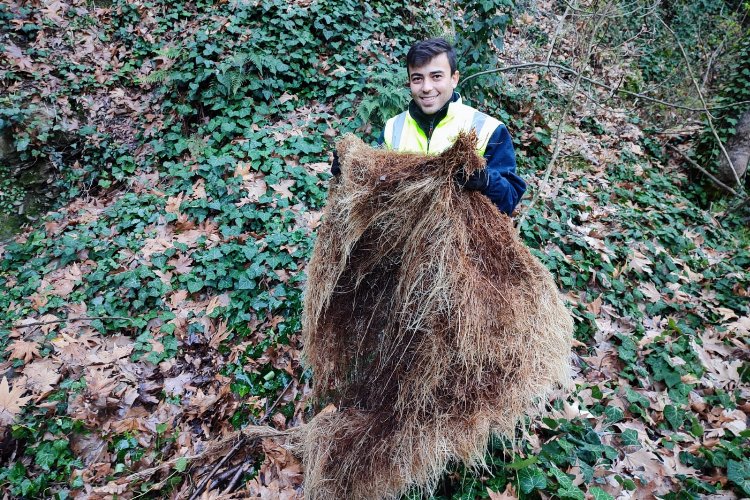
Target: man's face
[{"x": 432, "y": 84}]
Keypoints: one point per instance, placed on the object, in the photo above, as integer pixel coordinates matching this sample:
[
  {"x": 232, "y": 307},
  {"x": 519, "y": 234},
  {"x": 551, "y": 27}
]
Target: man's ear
[{"x": 454, "y": 79}]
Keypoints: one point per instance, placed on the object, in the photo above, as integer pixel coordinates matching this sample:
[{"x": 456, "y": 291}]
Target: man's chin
[{"x": 427, "y": 109}]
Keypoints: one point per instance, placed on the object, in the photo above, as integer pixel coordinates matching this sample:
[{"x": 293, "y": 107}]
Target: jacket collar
[{"x": 424, "y": 120}]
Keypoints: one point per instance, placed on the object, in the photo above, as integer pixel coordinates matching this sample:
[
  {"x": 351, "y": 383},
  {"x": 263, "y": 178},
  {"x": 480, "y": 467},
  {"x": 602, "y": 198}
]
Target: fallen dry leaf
[
  {"x": 282, "y": 187},
  {"x": 509, "y": 493},
  {"x": 23, "y": 349},
  {"x": 176, "y": 385},
  {"x": 41, "y": 376},
  {"x": 11, "y": 402}
]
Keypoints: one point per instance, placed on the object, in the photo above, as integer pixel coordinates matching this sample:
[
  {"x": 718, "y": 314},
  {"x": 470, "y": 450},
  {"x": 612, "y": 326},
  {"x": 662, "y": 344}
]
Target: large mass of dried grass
[{"x": 427, "y": 323}]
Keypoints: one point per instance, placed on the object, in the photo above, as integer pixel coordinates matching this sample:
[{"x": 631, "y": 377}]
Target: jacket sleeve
[{"x": 505, "y": 187}]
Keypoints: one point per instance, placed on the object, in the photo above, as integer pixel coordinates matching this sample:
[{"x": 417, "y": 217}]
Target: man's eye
[
  {"x": 416, "y": 80},
  {"x": 437, "y": 77}
]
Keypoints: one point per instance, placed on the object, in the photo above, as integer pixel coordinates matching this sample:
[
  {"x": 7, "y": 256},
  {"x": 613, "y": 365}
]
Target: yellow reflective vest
[{"x": 402, "y": 133}]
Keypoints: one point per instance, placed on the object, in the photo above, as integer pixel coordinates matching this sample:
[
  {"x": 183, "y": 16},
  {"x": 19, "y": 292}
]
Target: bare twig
[
  {"x": 249, "y": 432},
  {"x": 743, "y": 204},
  {"x": 727, "y": 33},
  {"x": 616, "y": 90},
  {"x": 236, "y": 479},
  {"x": 241, "y": 442},
  {"x": 710, "y": 63},
  {"x": 703, "y": 101},
  {"x": 705, "y": 172},
  {"x": 558, "y": 29},
  {"x": 230, "y": 472},
  {"x": 276, "y": 403},
  {"x": 587, "y": 13},
  {"x": 202, "y": 485},
  {"x": 72, "y": 320},
  {"x": 563, "y": 117}
]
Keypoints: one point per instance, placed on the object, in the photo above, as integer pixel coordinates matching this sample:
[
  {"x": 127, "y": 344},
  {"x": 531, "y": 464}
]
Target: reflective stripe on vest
[
  {"x": 477, "y": 122},
  {"x": 403, "y": 134},
  {"x": 398, "y": 128}
]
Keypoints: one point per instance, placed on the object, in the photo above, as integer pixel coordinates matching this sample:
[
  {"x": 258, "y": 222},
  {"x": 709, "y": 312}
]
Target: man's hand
[
  {"x": 335, "y": 165},
  {"x": 478, "y": 181}
]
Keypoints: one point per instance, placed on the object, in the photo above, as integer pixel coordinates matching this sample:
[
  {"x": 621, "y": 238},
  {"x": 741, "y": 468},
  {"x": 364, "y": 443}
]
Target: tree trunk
[
  {"x": 738, "y": 148},
  {"x": 6, "y": 147}
]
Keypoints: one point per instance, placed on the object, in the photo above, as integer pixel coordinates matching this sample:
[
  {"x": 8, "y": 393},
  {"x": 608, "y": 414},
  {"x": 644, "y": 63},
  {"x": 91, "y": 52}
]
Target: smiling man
[{"x": 436, "y": 115}]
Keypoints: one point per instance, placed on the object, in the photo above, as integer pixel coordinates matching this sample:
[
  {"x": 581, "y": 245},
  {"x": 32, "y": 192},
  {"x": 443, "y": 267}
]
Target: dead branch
[
  {"x": 276, "y": 403},
  {"x": 558, "y": 29},
  {"x": 563, "y": 117},
  {"x": 202, "y": 485},
  {"x": 72, "y": 320},
  {"x": 249, "y": 432},
  {"x": 227, "y": 474},
  {"x": 236, "y": 478},
  {"x": 614, "y": 90},
  {"x": 241, "y": 442},
  {"x": 703, "y": 101},
  {"x": 705, "y": 172}
]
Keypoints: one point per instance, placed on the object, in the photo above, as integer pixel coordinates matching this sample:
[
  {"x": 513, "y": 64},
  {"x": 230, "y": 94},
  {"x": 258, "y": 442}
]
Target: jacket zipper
[{"x": 429, "y": 135}]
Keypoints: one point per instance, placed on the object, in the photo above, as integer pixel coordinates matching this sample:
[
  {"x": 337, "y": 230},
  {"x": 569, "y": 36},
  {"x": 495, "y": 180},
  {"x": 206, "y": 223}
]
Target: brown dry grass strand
[{"x": 427, "y": 323}]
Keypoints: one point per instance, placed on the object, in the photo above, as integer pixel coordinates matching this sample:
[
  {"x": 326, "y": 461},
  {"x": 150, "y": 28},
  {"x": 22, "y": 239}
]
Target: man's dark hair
[{"x": 422, "y": 52}]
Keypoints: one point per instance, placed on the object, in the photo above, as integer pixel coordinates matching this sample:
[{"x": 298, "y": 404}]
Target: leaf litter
[{"x": 146, "y": 419}]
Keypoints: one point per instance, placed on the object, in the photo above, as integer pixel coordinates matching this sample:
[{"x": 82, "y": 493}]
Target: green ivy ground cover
[{"x": 193, "y": 143}]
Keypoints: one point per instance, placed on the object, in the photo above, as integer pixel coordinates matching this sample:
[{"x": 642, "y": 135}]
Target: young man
[{"x": 436, "y": 115}]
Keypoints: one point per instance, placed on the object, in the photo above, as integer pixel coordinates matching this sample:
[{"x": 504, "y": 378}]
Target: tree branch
[
  {"x": 72, "y": 320},
  {"x": 202, "y": 485},
  {"x": 240, "y": 442},
  {"x": 705, "y": 172},
  {"x": 703, "y": 101},
  {"x": 613, "y": 90},
  {"x": 558, "y": 29},
  {"x": 568, "y": 107},
  {"x": 236, "y": 478}
]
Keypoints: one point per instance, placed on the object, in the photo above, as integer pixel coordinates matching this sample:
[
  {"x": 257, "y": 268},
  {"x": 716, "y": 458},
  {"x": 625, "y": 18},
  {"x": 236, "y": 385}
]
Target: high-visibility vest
[{"x": 403, "y": 134}]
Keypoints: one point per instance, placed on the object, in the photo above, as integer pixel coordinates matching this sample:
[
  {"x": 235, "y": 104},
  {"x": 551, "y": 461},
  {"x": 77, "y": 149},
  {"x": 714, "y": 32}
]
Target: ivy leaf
[
  {"x": 245, "y": 283},
  {"x": 600, "y": 494},
  {"x": 194, "y": 285},
  {"x": 613, "y": 414},
  {"x": 629, "y": 437},
  {"x": 522, "y": 463},
  {"x": 46, "y": 455},
  {"x": 567, "y": 488},
  {"x": 574, "y": 493},
  {"x": 673, "y": 417},
  {"x": 739, "y": 474},
  {"x": 531, "y": 478}
]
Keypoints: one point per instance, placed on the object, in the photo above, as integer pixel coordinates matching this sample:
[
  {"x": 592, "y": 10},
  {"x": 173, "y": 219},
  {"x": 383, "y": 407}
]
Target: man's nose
[{"x": 426, "y": 86}]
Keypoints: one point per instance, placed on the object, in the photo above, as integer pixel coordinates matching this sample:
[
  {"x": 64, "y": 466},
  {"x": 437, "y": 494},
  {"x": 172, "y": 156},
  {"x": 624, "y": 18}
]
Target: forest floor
[{"x": 155, "y": 311}]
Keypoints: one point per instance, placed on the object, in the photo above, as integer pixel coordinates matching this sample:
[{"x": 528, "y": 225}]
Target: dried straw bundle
[{"x": 427, "y": 322}]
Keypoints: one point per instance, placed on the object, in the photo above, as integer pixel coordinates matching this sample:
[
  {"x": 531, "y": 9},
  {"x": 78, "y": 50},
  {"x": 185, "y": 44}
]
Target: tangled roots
[{"x": 427, "y": 323}]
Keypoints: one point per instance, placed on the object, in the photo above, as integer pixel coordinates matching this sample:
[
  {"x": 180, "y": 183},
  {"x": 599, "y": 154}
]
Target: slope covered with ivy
[{"x": 156, "y": 309}]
